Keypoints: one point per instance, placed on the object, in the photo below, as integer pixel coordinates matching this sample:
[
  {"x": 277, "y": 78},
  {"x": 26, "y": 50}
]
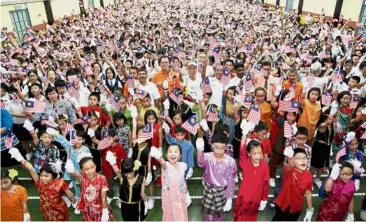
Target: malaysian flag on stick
[
  {"x": 287, "y": 106},
  {"x": 291, "y": 94},
  {"x": 73, "y": 91},
  {"x": 248, "y": 85},
  {"x": 240, "y": 87},
  {"x": 174, "y": 94},
  {"x": 69, "y": 127},
  {"x": 205, "y": 86},
  {"x": 363, "y": 125},
  {"x": 130, "y": 82},
  {"x": 225, "y": 79},
  {"x": 254, "y": 114},
  {"x": 337, "y": 78},
  {"x": 191, "y": 124},
  {"x": 287, "y": 130},
  {"x": 105, "y": 142},
  {"x": 147, "y": 133},
  {"x": 326, "y": 99},
  {"x": 72, "y": 137},
  {"x": 355, "y": 100},
  {"x": 15, "y": 98},
  {"x": 48, "y": 121},
  {"x": 140, "y": 94},
  {"x": 115, "y": 102},
  {"x": 341, "y": 152},
  {"x": 35, "y": 106},
  {"x": 212, "y": 114}
]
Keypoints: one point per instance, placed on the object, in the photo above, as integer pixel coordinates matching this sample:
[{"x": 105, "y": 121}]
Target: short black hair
[
  {"x": 302, "y": 130},
  {"x": 260, "y": 126},
  {"x": 357, "y": 78},
  {"x": 253, "y": 143},
  {"x": 48, "y": 169},
  {"x": 84, "y": 160},
  {"x": 60, "y": 83},
  {"x": 112, "y": 132},
  {"x": 219, "y": 138},
  {"x": 96, "y": 94},
  {"x": 179, "y": 129},
  {"x": 299, "y": 150},
  {"x": 362, "y": 65},
  {"x": 118, "y": 116},
  {"x": 127, "y": 166}
]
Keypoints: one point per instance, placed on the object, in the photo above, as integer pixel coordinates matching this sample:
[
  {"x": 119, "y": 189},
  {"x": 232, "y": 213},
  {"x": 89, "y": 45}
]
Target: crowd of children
[{"x": 139, "y": 93}]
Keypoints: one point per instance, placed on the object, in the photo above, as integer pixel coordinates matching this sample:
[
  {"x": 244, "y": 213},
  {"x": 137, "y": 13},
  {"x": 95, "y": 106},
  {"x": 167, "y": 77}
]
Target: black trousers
[{"x": 285, "y": 216}]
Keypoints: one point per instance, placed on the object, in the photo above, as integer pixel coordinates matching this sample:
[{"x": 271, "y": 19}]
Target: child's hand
[
  {"x": 14, "y": 153},
  {"x": 111, "y": 158},
  {"x": 154, "y": 152},
  {"x": 91, "y": 133},
  {"x": 204, "y": 125},
  {"x": 200, "y": 144},
  {"x": 28, "y": 125},
  {"x": 148, "y": 179},
  {"x": 190, "y": 173},
  {"x": 69, "y": 166}
]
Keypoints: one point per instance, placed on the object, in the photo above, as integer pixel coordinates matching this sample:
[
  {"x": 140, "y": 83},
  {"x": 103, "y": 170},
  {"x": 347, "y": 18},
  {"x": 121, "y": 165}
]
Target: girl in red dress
[
  {"x": 50, "y": 189},
  {"x": 93, "y": 200},
  {"x": 254, "y": 188}
]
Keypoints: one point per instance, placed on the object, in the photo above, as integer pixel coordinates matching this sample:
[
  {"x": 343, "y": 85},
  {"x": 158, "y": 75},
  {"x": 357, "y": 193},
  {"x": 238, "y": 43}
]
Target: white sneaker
[
  {"x": 363, "y": 215},
  {"x": 188, "y": 199},
  {"x": 109, "y": 200},
  {"x": 272, "y": 182},
  {"x": 119, "y": 204},
  {"x": 317, "y": 182},
  {"x": 71, "y": 185},
  {"x": 150, "y": 203},
  {"x": 29, "y": 156},
  {"x": 272, "y": 204}
]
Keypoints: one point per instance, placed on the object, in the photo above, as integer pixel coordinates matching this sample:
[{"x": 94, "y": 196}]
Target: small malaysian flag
[
  {"x": 240, "y": 87},
  {"x": 212, "y": 114},
  {"x": 73, "y": 137},
  {"x": 287, "y": 130},
  {"x": 174, "y": 95},
  {"x": 225, "y": 79},
  {"x": 115, "y": 102},
  {"x": 35, "y": 106},
  {"x": 248, "y": 85},
  {"x": 15, "y": 98},
  {"x": 291, "y": 94},
  {"x": 284, "y": 66},
  {"x": 355, "y": 100},
  {"x": 287, "y": 106},
  {"x": 73, "y": 91},
  {"x": 130, "y": 82},
  {"x": 205, "y": 86},
  {"x": 310, "y": 80},
  {"x": 48, "y": 121},
  {"x": 104, "y": 143},
  {"x": 341, "y": 152},
  {"x": 9, "y": 140},
  {"x": 140, "y": 94},
  {"x": 254, "y": 114},
  {"x": 69, "y": 127},
  {"x": 363, "y": 125},
  {"x": 326, "y": 99},
  {"x": 246, "y": 101},
  {"x": 191, "y": 124},
  {"x": 147, "y": 133},
  {"x": 257, "y": 70},
  {"x": 46, "y": 81},
  {"x": 337, "y": 78}
]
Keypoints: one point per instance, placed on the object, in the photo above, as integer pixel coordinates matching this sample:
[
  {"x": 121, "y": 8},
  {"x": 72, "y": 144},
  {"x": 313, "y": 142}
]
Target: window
[
  {"x": 289, "y": 5},
  {"x": 91, "y": 3},
  {"x": 20, "y": 19}
]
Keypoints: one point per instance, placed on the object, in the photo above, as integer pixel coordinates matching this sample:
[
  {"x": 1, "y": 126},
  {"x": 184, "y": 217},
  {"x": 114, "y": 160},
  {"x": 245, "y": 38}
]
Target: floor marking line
[
  {"x": 196, "y": 197},
  {"x": 192, "y": 178}
]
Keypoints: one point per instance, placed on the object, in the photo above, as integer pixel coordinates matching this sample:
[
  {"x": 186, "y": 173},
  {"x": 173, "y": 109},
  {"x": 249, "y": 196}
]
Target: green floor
[{"x": 194, "y": 211}]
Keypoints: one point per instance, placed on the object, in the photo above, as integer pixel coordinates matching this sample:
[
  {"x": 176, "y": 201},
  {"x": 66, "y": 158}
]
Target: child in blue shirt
[{"x": 187, "y": 148}]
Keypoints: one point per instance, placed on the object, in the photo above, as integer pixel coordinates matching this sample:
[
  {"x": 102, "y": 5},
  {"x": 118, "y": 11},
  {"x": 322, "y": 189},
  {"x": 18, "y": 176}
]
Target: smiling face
[
  {"x": 346, "y": 174},
  {"x": 6, "y": 184},
  {"x": 46, "y": 139},
  {"x": 45, "y": 177},
  {"x": 173, "y": 154},
  {"x": 89, "y": 169}
]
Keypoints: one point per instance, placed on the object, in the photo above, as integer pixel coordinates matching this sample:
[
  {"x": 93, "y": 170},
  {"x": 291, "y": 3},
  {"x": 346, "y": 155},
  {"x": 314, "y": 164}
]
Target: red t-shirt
[
  {"x": 293, "y": 190},
  {"x": 103, "y": 118},
  {"x": 120, "y": 154},
  {"x": 266, "y": 144}
]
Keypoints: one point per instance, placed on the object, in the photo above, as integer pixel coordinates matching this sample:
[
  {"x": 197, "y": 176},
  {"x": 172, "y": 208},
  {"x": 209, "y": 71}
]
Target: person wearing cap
[{"x": 192, "y": 82}]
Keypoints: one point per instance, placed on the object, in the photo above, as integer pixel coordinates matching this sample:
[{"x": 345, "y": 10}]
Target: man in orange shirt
[
  {"x": 165, "y": 75},
  {"x": 292, "y": 81}
]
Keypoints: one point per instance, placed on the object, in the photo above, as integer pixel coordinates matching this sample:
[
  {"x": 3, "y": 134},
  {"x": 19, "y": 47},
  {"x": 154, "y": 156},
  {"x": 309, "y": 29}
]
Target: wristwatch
[{"x": 311, "y": 209}]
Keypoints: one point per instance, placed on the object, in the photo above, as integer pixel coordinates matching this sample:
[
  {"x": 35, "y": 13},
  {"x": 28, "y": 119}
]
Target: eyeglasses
[
  {"x": 301, "y": 158},
  {"x": 219, "y": 148},
  {"x": 347, "y": 174},
  {"x": 302, "y": 139}
]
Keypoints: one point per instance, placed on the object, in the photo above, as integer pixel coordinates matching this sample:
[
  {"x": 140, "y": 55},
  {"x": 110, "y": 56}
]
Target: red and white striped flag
[
  {"x": 73, "y": 137},
  {"x": 205, "y": 86},
  {"x": 130, "y": 82},
  {"x": 73, "y": 92},
  {"x": 287, "y": 106},
  {"x": 115, "y": 102},
  {"x": 326, "y": 99},
  {"x": 15, "y": 98},
  {"x": 191, "y": 124},
  {"x": 35, "y": 106},
  {"x": 341, "y": 153},
  {"x": 248, "y": 84},
  {"x": 174, "y": 94},
  {"x": 225, "y": 79},
  {"x": 355, "y": 100},
  {"x": 254, "y": 114},
  {"x": 310, "y": 80},
  {"x": 287, "y": 129},
  {"x": 212, "y": 114},
  {"x": 147, "y": 133},
  {"x": 104, "y": 143},
  {"x": 69, "y": 127},
  {"x": 291, "y": 94},
  {"x": 337, "y": 78}
]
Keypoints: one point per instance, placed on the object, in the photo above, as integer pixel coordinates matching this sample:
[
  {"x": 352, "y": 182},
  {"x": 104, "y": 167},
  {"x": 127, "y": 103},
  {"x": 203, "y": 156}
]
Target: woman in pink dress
[
  {"x": 339, "y": 189},
  {"x": 174, "y": 190}
]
